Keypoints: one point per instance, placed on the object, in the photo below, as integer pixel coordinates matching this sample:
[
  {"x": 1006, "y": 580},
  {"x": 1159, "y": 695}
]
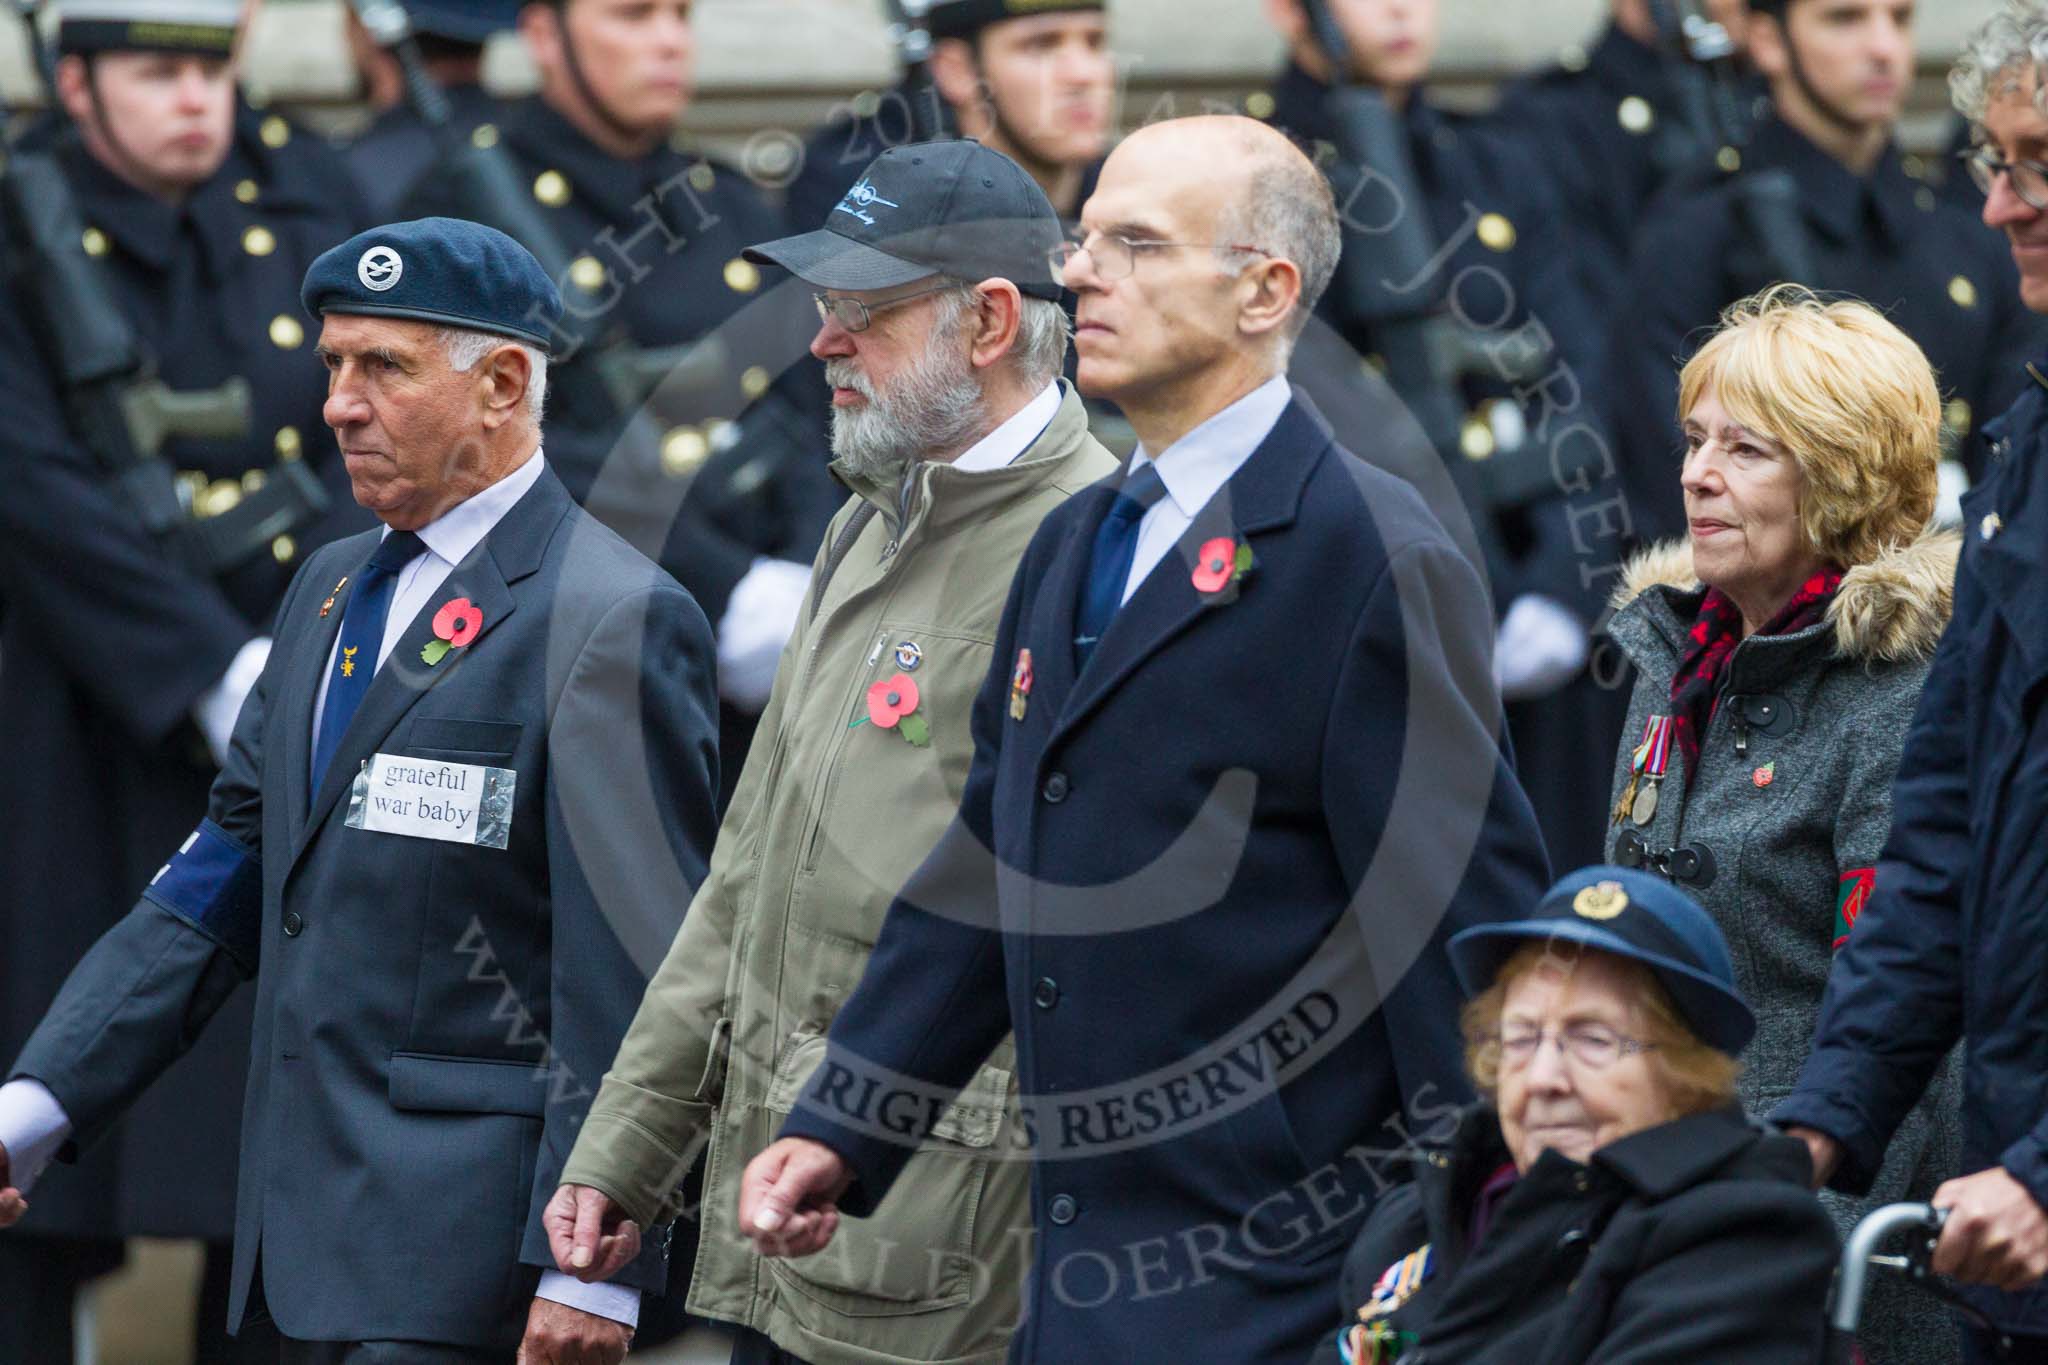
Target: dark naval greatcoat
[
  {"x": 1886, "y": 238},
  {"x": 109, "y": 643}
]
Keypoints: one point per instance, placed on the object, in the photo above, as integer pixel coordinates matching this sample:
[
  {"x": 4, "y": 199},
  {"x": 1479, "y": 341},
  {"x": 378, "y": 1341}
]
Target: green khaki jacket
[{"x": 832, "y": 815}]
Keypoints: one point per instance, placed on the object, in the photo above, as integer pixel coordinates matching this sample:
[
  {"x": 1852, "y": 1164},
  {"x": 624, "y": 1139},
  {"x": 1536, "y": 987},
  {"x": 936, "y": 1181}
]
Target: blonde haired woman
[{"x": 1779, "y": 651}]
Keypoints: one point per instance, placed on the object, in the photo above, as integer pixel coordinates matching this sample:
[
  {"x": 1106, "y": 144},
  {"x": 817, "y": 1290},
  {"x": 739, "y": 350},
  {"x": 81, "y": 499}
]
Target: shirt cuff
[
  {"x": 219, "y": 706},
  {"x": 620, "y": 1303},
  {"x": 32, "y": 1127}
]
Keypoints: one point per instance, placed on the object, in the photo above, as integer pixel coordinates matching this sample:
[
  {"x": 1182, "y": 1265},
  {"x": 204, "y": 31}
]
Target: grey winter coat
[{"x": 1783, "y": 825}]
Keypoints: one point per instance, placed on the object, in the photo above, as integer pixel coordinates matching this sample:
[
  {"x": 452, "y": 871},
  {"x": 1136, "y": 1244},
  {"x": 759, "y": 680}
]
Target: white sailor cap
[{"x": 198, "y": 26}]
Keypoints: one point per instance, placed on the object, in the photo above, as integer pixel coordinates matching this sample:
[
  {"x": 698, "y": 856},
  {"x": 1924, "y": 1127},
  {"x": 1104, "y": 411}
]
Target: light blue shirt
[{"x": 1196, "y": 466}]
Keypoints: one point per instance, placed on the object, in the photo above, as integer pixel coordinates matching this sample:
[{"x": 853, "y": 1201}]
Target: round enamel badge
[{"x": 380, "y": 268}]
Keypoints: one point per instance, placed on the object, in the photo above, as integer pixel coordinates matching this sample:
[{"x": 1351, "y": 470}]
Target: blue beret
[{"x": 443, "y": 270}]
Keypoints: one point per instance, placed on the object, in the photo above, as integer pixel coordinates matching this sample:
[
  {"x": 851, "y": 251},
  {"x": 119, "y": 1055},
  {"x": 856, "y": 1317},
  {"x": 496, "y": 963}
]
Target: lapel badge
[
  {"x": 328, "y": 605},
  {"x": 909, "y": 656},
  {"x": 1764, "y": 776},
  {"x": 1991, "y": 525},
  {"x": 1601, "y": 900},
  {"x": 1021, "y": 679}
]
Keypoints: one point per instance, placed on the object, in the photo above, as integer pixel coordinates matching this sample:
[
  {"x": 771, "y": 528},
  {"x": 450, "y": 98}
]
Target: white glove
[
  {"x": 1541, "y": 647},
  {"x": 219, "y": 705},
  {"x": 759, "y": 617},
  {"x": 1951, "y": 482}
]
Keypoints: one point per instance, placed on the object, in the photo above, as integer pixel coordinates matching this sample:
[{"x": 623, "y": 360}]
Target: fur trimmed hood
[{"x": 1891, "y": 610}]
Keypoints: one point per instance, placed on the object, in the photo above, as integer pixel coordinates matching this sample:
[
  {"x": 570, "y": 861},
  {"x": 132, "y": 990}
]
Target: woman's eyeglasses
[{"x": 1592, "y": 1046}]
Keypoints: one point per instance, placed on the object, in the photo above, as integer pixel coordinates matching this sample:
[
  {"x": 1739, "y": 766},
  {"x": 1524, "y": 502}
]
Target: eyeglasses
[
  {"x": 1592, "y": 1046},
  {"x": 1117, "y": 257},
  {"x": 2029, "y": 178},
  {"x": 855, "y": 316}
]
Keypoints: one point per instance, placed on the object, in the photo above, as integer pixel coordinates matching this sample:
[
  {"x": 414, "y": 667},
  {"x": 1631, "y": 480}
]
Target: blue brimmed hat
[
  {"x": 443, "y": 270},
  {"x": 1635, "y": 915}
]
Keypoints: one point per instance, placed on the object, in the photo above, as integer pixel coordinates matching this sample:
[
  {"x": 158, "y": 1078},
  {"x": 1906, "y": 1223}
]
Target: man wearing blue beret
[{"x": 465, "y": 802}]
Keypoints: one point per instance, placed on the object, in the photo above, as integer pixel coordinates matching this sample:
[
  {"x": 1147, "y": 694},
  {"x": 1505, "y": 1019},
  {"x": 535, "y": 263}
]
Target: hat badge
[
  {"x": 860, "y": 199},
  {"x": 380, "y": 268},
  {"x": 1601, "y": 900}
]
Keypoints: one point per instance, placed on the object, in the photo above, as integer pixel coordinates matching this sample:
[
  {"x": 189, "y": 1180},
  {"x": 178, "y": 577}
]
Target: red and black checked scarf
[{"x": 1694, "y": 688}]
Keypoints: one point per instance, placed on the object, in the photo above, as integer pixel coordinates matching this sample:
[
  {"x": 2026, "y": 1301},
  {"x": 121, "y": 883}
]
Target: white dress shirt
[
  {"x": 1002, "y": 446},
  {"x": 1196, "y": 466},
  {"x": 449, "y": 538},
  {"x": 33, "y": 1125}
]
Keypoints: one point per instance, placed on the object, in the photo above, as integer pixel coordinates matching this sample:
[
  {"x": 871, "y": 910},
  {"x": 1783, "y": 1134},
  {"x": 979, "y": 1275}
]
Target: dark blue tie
[
  {"x": 1109, "y": 564},
  {"x": 362, "y": 635}
]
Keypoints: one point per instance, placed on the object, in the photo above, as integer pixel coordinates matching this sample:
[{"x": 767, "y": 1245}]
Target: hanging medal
[
  {"x": 1652, "y": 758},
  {"x": 1648, "y": 764}
]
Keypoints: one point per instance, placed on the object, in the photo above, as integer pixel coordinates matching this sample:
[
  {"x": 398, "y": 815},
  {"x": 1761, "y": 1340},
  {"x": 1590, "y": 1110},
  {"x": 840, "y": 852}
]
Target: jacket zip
[{"x": 890, "y": 561}]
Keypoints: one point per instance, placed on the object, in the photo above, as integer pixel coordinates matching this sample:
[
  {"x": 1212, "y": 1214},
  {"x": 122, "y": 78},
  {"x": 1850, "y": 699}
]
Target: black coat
[
  {"x": 1953, "y": 943},
  {"x": 1152, "y": 906},
  {"x": 108, "y": 643},
  {"x": 1885, "y": 238},
  {"x": 668, "y": 229},
  {"x": 1511, "y": 269},
  {"x": 1693, "y": 1241},
  {"x": 1609, "y": 128},
  {"x": 389, "y": 156},
  {"x": 1514, "y": 270}
]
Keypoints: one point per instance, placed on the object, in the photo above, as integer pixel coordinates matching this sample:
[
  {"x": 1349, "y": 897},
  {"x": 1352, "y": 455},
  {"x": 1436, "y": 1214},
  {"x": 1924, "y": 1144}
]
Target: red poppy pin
[
  {"x": 892, "y": 705},
  {"x": 1764, "y": 776},
  {"x": 1220, "y": 563},
  {"x": 455, "y": 625}
]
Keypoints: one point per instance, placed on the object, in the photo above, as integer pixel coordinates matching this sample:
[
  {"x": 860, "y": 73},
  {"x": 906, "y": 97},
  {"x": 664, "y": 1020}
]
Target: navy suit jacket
[
  {"x": 432, "y": 1018},
  {"x": 1226, "y": 857}
]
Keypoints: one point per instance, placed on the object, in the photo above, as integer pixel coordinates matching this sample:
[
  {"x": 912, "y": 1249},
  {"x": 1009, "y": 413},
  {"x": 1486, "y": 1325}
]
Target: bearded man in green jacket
[{"x": 943, "y": 339}]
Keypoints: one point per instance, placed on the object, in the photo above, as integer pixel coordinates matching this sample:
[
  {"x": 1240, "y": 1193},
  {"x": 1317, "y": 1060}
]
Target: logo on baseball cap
[{"x": 952, "y": 208}]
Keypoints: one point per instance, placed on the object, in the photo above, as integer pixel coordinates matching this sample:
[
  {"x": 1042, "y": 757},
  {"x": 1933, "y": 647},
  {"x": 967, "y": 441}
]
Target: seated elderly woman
[
  {"x": 1607, "y": 1202},
  {"x": 1779, "y": 653}
]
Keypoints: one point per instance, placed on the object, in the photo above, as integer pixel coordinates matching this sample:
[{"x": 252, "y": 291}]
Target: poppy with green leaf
[{"x": 892, "y": 705}]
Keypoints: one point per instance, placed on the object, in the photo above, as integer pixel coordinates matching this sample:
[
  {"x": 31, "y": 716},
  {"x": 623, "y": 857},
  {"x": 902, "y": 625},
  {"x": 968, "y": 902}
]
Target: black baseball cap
[{"x": 952, "y": 208}]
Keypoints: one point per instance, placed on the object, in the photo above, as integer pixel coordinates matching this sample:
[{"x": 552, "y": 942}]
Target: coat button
[
  {"x": 1063, "y": 1210},
  {"x": 1045, "y": 993},
  {"x": 1056, "y": 788},
  {"x": 1581, "y": 1182},
  {"x": 292, "y": 924}
]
